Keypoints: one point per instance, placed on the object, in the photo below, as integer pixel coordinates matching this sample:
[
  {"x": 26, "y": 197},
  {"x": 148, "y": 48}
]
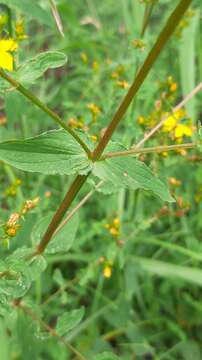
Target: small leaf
[
  {"x": 68, "y": 320},
  {"x": 63, "y": 240},
  {"x": 132, "y": 173},
  {"x": 53, "y": 152},
  {"x": 20, "y": 272},
  {"x": 33, "y": 68}
]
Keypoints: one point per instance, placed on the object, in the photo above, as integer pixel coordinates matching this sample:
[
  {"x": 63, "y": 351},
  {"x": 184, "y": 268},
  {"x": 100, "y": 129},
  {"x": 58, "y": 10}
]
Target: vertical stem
[
  {"x": 58, "y": 216},
  {"x": 142, "y": 73}
]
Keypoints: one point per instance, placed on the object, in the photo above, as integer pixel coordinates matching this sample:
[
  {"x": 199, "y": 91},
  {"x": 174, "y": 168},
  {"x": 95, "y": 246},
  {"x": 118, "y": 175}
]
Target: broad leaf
[
  {"x": 63, "y": 240},
  {"x": 69, "y": 320},
  {"x": 53, "y": 152},
  {"x": 33, "y": 68},
  {"x": 132, "y": 173},
  {"x": 31, "y": 9}
]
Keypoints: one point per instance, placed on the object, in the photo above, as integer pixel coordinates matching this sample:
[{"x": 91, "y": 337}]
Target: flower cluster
[
  {"x": 9, "y": 45},
  {"x": 13, "y": 223},
  {"x": 13, "y": 188},
  {"x": 113, "y": 227},
  {"x": 178, "y": 130},
  {"x": 76, "y": 123},
  {"x": 95, "y": 111},
  {"x": 139, "y": 44},
  {"x": 177, "y": 126}
]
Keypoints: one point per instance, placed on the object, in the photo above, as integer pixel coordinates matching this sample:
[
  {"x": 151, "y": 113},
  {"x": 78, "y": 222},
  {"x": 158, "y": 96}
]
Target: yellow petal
[
  {"x": 8, "y": 45},
  {"x": 6, "y": 60}
]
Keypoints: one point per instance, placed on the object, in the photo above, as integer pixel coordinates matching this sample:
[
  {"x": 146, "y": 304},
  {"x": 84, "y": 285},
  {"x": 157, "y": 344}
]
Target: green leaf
[
  {"x": 34, "y": 68},
  {"x": 21, "y": 272},
  {"x": 31, "y": 9},
  {"x": 63, "y": 240},
  {"x": 132, "y": 173},
  {"x": 106, "y": 356},
  {"x": 53, "y": 152},
  {"x": 167, "y": 270},
  {"x": 68, "y": 320}
]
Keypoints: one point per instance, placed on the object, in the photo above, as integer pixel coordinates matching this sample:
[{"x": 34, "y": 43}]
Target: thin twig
[
  {"x": 147, "y": 15},
  {"x": 58, "y": 216},
  {"x": 147, "y": 150},
  {"x": 160, "y": 124},
  {"x": 77, "y": 207},
  {"x": 57, "y": 17}
]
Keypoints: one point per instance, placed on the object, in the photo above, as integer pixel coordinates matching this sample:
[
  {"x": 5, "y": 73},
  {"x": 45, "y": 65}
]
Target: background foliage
[{"x": 122, "y": 279}]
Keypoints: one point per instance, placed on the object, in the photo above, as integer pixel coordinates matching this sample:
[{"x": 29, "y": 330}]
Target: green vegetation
[{"x": 101, "y": 180}]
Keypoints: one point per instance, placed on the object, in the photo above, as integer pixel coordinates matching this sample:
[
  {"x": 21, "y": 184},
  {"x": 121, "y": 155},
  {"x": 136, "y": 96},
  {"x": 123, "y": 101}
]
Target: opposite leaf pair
[{"x": 57, "y": 152}]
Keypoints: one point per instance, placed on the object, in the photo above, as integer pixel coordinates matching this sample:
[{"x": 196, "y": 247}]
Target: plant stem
[
  {"x": 78, "y": 206},
  {"x": 147, "y": 15},
  {"x": 58, "y": 216},
  {"x": 35, "y": 100},
  {"x": 164, "y": 118},
  {"x": 48, "y": 328},
  {"x": 167, "y": 31},
  {"x": 147, "y": 150},
  {"x": 169, "y": 28}
]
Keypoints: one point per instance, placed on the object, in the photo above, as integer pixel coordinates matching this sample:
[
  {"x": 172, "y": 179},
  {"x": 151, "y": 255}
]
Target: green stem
[
  {"x": 29, "y": 95},
  {"x": 58, "y": 216},
  {"x": 153, "y": 149},
  {"x": 167, "y": 31},
  {"x": 169, "y": 28},
  {"x": 147, "y": 15}
]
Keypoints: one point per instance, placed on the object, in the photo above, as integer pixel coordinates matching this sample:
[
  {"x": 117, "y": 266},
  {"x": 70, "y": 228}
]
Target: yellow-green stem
[{"x": 147, "y": 150}]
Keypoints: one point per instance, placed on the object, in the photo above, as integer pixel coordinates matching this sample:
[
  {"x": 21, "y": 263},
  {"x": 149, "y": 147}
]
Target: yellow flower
[
  {"x": 171, "y": 121},
  {"x": 113, "y": 231},
  {"x": 141, "y": 120},
  {"x": 117, "y": 221},
  {"x": 182, "y": 130},
  {"x": 139, "y": 44},
  {"x": 95, "y": 110},
  {"x": 173, "y": 87},
  {"x": 93, "y": 138},
  {"x": 6, "y": 58},
  {"x": 107, "y": 271},
  {"x": 123, "y": 84}
]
